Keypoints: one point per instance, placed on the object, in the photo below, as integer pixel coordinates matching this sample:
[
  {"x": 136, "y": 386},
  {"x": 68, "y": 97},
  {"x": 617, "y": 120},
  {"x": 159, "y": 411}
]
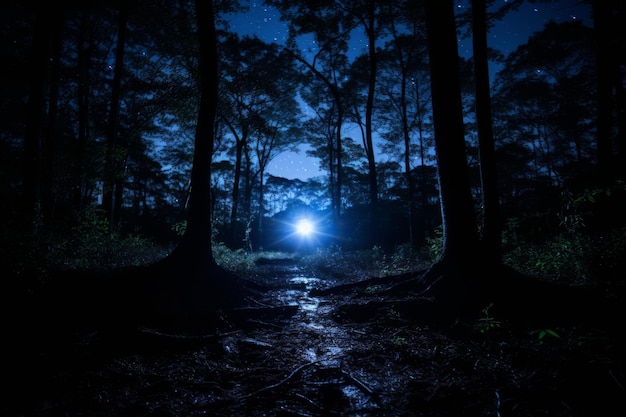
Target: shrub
[
  {"x": 236, "y": 261},
  {"x": 92, "y": 245}
]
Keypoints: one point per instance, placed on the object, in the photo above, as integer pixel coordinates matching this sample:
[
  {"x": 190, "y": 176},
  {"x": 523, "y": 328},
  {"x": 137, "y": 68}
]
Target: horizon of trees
[{"x": 100, "y": 104}]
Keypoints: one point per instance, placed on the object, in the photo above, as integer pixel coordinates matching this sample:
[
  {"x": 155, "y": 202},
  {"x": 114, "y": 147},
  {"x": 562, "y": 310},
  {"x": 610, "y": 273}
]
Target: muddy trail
[{"x": 319, "y": 344}]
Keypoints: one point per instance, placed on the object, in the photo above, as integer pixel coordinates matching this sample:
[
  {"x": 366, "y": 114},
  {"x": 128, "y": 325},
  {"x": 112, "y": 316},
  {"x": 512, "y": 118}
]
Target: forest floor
[{"x": 327, "y": 343}]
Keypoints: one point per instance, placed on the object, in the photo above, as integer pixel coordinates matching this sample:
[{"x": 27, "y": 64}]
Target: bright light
[{"x": 304, "y": 227}]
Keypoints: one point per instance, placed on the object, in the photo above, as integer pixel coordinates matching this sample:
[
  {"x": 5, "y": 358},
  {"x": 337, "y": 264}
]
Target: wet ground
[{"x": 306, "y": 347}]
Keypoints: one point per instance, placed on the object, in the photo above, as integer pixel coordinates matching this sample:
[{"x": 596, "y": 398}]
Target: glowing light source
[{"x": 304, "y": 227}]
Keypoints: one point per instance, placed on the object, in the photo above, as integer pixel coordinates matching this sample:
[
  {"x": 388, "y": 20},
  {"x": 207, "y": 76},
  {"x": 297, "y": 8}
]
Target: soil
[{"x": 323, "y": 343}]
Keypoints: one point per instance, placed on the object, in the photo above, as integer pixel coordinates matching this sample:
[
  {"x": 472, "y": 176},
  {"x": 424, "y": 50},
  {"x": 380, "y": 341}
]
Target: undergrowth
[{"x": 572, "y": 254}]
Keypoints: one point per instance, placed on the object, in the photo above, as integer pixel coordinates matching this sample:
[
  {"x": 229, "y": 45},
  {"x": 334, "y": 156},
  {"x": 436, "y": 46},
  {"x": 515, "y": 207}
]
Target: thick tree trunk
[
  {"x": 111, "y": 162},
  {"x": 450, "y": 280},
  {"x": 604, "y": 63},
  {"x": 459, "y": 222},
  {"x": 189, "y": 287},
  {"x": 33, "y": 134},
  {"x": 197, "y": 237},
  {"x": 492, "y": 222}
]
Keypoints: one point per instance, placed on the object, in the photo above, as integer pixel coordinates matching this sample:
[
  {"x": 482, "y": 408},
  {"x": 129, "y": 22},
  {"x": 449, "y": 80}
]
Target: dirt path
[
  {"x": 325, "y": 381},
  {"x": 302, "y": 351}
]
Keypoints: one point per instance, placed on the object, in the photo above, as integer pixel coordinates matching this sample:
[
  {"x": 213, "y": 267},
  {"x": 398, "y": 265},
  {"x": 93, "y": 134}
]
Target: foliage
[
  {"x": 487, "y": 322},
  {"x": 542, "y": 333},
  {"x": 433, "y": 246},
  {"x": 92, "y": 245},
  {"x": 558, "y": 257},
  {"x": 608, "y": 252},
  {"x": 542, "y": 120},
  {"x": 180, "y": 228},
  {"x": 406, "y": 258},
  {"x": 577, "y": 251},
  {"x": 237, "y": 261},
  {"x": 373, "y": 262}
]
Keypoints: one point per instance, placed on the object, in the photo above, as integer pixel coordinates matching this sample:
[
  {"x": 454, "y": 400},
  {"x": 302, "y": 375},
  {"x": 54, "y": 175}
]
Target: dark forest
[{"x": 461, "y": 252}]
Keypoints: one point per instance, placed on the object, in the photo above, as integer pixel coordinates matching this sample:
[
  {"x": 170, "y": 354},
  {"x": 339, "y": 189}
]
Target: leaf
[
  {"x": 544, "y": 332},
  {"x": 552, "y": 333}
]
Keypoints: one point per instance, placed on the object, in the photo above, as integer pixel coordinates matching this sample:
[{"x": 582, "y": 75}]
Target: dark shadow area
[{"x": 317, "y": 343}]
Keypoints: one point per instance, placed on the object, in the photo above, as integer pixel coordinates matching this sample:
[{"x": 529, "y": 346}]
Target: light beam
[{"x": 304, "y": 227}]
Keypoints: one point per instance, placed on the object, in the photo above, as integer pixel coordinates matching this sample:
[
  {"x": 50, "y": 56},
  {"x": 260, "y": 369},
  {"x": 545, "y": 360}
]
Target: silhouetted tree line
[{"x": 100, "y": 109}]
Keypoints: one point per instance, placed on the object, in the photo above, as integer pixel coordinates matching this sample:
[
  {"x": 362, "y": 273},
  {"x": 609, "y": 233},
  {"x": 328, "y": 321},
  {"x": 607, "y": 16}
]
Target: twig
[
  {"x": 289, "y": 377},
  {"x": 616, "y": 380},
  {"x": 308, "y": 401},
  {"x": 361, "y": 385},
  {"x": 292, "y": 375},
  {"x": 148, "y": 331}
]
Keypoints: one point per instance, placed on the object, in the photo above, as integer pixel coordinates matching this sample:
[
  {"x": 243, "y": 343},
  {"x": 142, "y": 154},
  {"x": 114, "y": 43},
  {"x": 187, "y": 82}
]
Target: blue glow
[{"x": 304, "y": 227}]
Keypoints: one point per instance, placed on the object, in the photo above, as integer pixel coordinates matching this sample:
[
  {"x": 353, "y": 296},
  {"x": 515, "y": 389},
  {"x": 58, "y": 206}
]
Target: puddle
[
  {"x": 289, "y": 297},
  {"x": 308, "y": 303},
  {"x": 306, "y": 281},
  {"x": 328, "y": 355},
  {"x": 300, "y": 296},
  {"x": 324, "y": 345}
]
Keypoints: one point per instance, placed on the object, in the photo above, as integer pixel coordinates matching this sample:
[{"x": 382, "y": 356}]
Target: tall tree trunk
[
  {"x": 339, "y": 157},
  {"x": 84, "y": 60},
  {"x": 602, "y": 27},
  {"x": 51, "y": 138},
  {"x": 369, "y": 110},
  {"x": 620, "y": 97},
  {"x": 459, "y": 222},
  {"x": 261, "y": 222},
  {"x": 407, "y": 155},
  {"x": 450, "y": 279},
  {"x": 611, "y": 151},
  {"x": 492, "y": 222},
  {"x": 196, "y": 241},
  {"x": 35, "y": 115},
  {"x": 191, "y": 289},
  {"x": 111, "y": 164},
  {"x": 234, "y": 210},
  {"x": 404, "y": 68}
]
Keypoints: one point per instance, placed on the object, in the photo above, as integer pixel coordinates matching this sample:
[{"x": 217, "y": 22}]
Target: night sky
[{"x": 515, "y": 29}]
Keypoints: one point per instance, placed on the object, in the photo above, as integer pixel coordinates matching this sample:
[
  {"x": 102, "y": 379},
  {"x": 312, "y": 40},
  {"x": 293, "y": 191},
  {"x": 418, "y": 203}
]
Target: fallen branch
[
  {"x": 289, "y": 377},
  {"x": 361, "y": 386},
  {"x": 292, "y": 375}
]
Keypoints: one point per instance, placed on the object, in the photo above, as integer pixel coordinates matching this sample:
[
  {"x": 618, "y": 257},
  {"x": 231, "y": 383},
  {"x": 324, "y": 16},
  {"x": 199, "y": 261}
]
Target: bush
[
  {"x": 91, "y": 245},
  {"x": 236, "y": 261},
  {"x": 557, "y": 258}
]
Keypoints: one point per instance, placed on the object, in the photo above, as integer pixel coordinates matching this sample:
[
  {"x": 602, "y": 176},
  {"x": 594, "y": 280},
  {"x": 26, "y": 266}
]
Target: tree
[
  {"x": 465, "y": 278},
  {"x": 450, "y": 278},
  {"x": 492, "y": 222},
  {"x": 368, "y": 14},
  {"x": 610, "y": 46},
  {"x": 544, "y": 101},
  {"x": 272, "y": 139},
  {"x": 330, "y": 119},
  {"x": 331, "y": 25},
  {"x": 401, "y": 105},
  {"x": 115, "y": 151},
  {"x": 191, "y": 288},
  {"x": 257, "y": 91},
  {"x": 39, "y": 141},
  {"x": 371, "y": 24}
]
